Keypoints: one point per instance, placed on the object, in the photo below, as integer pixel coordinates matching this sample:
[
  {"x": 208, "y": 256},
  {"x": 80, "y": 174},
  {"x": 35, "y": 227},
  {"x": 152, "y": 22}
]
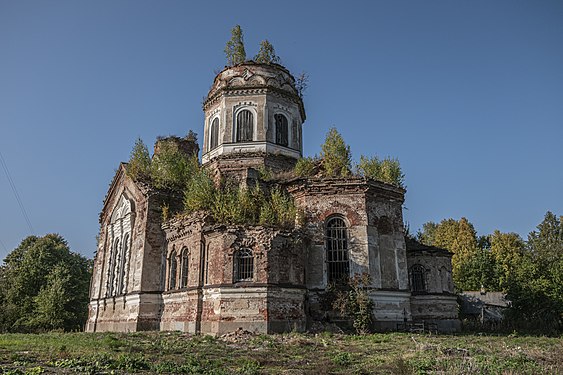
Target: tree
[
  {"x": 234, "y": 50},
  {"x": 335, "y": 154},
  {"x": 44, "y": 286},
  {"x": 536, "y": 287},
  {"x": 460, "y": 238},
  {"x": 507, "y": 250},
  {"x": 171, "y": 168},
  {"x": 386, "y": 170},
  {"x": 266, "y": 54},
  {"x": 139, "y": 164},
  {"x": 302, "y": 83}
]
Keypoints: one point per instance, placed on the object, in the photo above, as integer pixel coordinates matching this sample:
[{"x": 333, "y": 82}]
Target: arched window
[
  {"x": 184, "y": 269},
  {"x": 172, "y": 269},
  {"x": 245, "y": 126},
  {"x": 418, "y": 282},
  {"x": 214, "y": 134},
  {"x": 112, "y": 282},
  {"x": 121, "y": 282},
  {"x": 243, "y": 265},
  {"x": 337, "y": 250},
  {"x": 281, "y": 130}
]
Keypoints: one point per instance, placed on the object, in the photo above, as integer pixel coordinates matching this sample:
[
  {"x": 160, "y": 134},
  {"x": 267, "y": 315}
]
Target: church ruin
[{"x": 192, "y": 274}]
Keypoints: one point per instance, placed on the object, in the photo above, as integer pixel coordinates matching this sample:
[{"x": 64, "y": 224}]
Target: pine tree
[
  {"x": 335, "y": 154},
  {"x": 234, "y": 50},
  {"x": 266, "y": 54}
]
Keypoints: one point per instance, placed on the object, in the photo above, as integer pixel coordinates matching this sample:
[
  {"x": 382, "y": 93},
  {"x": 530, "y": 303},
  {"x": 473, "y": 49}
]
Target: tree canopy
[
  {"x": 529, "y": 272},
  {"x": 43, "y": 286}
]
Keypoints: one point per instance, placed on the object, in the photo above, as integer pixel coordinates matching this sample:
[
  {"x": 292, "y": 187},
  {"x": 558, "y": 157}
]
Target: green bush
[
  {"x": 386, "y": 170},
  {"x": 305, "y": 167}
]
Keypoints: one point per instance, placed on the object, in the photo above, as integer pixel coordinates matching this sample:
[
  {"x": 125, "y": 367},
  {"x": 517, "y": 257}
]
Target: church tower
[{"x": 253, "y": 119}]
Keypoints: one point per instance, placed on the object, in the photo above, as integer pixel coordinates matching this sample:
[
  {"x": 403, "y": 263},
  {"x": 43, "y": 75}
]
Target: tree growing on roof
[{"x": 234, "y": 50}]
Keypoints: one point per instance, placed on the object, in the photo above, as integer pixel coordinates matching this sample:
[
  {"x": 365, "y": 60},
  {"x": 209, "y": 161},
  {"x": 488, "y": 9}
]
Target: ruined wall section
[
  {"x": 387, "y": 250},
  {"x": 436, "y": 304},
  {"x": 321, "y": 199},
  {"x": 213, "y": 301},
  {"x": 110, "y": 309}
]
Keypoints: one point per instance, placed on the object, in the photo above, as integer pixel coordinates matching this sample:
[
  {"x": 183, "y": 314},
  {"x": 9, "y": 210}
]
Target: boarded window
[
  {"x": 245, "y": 126},
  {"x": 281, "y": 130},
  {"x": 214, "y": 134},
  {"x": 337, "y": 250},
  {"x": 172, "y": 270},
  {"x": 418, "y": 282},
  {"x": 184, "y": 269},
  {"x": 243, "y": 265}
]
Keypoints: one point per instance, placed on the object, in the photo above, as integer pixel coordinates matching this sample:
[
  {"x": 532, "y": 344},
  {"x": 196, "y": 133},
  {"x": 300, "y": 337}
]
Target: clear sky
[{"x": 468, "y": 95}]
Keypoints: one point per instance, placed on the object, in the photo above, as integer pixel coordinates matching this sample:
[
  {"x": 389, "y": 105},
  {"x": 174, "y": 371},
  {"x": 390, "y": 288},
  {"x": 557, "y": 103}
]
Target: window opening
[
  {"x": 244, "y": 265},
  {"x": 418, "y": 283},
  {"x": 337, "y": 250},
  {"x": 245, "y": 126},
  {"x": 184, "y": 273},
  {"x": 214, "y": 134},
  {"x": 281, "y": 130},
  {"x": 172, "y": 271}
]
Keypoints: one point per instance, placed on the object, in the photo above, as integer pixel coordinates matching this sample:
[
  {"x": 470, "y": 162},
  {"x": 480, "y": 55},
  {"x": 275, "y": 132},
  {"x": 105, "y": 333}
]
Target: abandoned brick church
[{"x": 191, "y": 274}]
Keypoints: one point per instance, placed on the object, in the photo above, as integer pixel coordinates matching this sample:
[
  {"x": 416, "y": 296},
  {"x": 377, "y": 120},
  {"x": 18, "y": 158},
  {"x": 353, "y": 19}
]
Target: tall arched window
[
  {"x": 184, "y": 269},
  {"x": 418, "y": 279},
  {"x": 245, "y": 126},
  {"x": 214, "y": 134},
  {"x": 243, "y": 265},
  {"x": 172, "y": 270},
  {"x": 281, "y": 129},
  {"x": 121, "y": 282},
  {"x": 338, "y": 264},
  {"x": 112, "y": 282}
]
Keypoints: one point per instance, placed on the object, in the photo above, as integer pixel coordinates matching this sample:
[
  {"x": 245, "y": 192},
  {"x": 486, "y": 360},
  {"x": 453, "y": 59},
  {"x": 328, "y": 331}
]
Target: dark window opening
[
  {"x": 184, "y": 273},
  {"x": 337, "y": 251},
  {"x": 214, "y": 134},
  {"x": 243, "y": 265},
  {"x": 418, "y": 282},
  {"x": 245, "y": 126},
  {"x": 172, "y": 269},
  {"x": 281, "y": 130}
]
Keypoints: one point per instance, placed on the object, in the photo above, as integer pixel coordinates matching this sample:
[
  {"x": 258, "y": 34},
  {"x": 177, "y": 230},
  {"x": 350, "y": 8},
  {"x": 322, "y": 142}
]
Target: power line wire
[{"x": 13, "y": 186}]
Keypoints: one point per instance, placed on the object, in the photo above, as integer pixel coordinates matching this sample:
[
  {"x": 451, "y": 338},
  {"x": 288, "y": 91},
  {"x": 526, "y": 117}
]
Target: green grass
[{"x": 324, "y": 353}]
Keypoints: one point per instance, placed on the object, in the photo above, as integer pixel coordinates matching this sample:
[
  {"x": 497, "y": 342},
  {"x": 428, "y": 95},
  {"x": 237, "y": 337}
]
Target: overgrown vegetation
[
  {"x": 43, "y": 286},
  {"x": 234, "y": 50},
  {"x": 324, "y": 353},
  {"x": 266, "y": 54},
  {"x": 386, "y": 170},
  {"x": 336, "y": 161},
  {"x": 352, "y": 300},
  {"x": 529, "y": 272},
  {"x": 226, "y": 203}
]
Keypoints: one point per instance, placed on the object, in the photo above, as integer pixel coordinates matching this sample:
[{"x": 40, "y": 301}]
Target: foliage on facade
[
  {"x": 336, "y": 161},
  {"x": 43, "y": 286}
]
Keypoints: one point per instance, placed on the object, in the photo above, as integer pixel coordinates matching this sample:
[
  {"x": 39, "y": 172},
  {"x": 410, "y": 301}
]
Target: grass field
[{"x": 293, "y": 353}]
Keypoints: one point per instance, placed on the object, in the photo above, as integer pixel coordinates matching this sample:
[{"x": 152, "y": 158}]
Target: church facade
[{"x": 192, "y": 274}]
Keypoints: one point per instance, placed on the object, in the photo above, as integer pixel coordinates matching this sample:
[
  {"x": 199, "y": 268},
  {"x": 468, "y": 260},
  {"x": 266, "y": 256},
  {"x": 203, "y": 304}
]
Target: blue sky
[{"x": 468, "y": 95}]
